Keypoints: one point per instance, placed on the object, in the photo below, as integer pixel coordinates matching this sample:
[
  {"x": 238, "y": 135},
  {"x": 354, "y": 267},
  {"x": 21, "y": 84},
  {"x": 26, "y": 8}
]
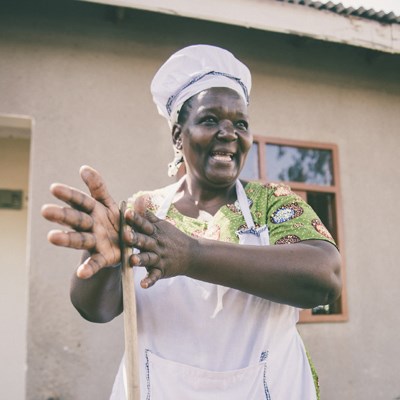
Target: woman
[{"x": 219, "y": 321}]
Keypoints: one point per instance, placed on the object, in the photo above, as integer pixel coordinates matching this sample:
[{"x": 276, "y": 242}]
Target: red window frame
[{"x": 338, "y": 309}]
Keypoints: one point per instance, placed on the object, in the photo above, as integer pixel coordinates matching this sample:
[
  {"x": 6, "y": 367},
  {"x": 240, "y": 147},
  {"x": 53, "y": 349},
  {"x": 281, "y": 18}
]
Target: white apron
[{"x": 201, "y": 341}]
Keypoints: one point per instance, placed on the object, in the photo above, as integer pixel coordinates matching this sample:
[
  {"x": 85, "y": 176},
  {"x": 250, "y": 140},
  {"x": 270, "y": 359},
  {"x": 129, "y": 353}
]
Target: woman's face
[{"x": 215, "y": 137}]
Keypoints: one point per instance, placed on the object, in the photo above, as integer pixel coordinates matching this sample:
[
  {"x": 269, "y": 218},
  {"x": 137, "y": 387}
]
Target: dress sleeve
[{"x": 290, "y": 219}]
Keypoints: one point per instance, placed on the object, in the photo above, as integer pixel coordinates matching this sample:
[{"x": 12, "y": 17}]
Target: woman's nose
[{"x": 227, "y": 131}]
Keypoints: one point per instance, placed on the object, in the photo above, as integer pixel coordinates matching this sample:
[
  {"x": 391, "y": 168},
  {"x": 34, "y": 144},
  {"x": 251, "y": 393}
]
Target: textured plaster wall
[{"x": 84, "y": 76}]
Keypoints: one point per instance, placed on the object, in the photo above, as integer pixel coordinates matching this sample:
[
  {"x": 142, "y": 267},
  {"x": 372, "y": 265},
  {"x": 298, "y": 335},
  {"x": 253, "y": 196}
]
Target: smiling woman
[
  {"x": 214, "y": 138},
  {"x": 219, "y": 254}
]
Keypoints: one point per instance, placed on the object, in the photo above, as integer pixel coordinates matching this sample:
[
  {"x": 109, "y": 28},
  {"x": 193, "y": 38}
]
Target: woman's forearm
[
  {"x": 99, "y": 298},
  {"x": 304, "y": 275}
]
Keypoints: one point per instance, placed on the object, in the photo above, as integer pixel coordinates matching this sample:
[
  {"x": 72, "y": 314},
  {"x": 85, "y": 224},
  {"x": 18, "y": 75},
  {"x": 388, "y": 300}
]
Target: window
[{"x": 311, "y": 170}]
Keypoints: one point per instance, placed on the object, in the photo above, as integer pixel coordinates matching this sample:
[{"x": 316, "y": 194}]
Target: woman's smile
[{"x": 222, "y": 156}]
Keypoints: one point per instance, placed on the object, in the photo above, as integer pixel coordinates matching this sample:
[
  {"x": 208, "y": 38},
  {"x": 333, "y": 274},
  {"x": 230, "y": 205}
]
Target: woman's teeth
[{"x": 222, "y": 156}]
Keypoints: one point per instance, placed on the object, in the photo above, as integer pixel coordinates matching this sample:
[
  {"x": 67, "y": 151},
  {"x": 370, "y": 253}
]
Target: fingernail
[
  {"x": 144, "y": 284},
  {"x": 136, "y": 260},
  {"x": 129, "y": 232}
]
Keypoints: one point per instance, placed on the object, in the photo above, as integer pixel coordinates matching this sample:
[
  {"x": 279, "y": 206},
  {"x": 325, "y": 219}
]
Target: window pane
[
  {"x": 299, "y": 164},
  {"x": 250, "y": 169},
  {"x": 324, "y": 206}
]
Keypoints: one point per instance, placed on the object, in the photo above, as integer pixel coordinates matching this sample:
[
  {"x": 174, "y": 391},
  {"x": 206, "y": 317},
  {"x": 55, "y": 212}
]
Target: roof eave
[{"x": 280, "y": 17}]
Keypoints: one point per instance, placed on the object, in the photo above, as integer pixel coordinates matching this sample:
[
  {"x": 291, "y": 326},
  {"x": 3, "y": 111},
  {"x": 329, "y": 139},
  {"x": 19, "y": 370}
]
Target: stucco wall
[{"x": 84, "y": 77}]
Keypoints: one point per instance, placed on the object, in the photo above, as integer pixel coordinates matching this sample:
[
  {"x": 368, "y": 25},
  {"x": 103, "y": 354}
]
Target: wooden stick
[{"x": 130, "y": 318}]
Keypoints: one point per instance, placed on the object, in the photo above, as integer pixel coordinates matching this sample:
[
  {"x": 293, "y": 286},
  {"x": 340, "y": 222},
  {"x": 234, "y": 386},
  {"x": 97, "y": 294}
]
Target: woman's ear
[
  {"x": 176, "y": 136},
  {"x": 173, "y": 167}
]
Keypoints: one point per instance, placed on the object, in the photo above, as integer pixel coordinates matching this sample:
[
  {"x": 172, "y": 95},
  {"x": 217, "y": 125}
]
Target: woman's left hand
[
  {"x": 303, "y": 275},
  {"x": 165, "y": 251}
]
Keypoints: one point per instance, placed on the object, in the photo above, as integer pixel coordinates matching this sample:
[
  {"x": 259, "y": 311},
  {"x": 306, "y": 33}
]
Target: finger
[
  {"x": 139, "y": 240},
  {"x": 151, "y": 217},
  {"x": 139, "y": 222},
  {"x": 73, "y": 197},
  {"x": 144, "y": 259},
  {"x": 141, "y": 207},
  {"x": 91, "y": 266},
  {"x": 96, "y": 186},
  {"x": 154, "y": 275},
  {"x": 74, "y": 240},
  {"x": 77, "y": 220}
]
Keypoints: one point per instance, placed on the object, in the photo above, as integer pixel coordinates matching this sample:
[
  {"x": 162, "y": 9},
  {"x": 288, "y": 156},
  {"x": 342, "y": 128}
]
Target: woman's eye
[
  {"x": 209, "y": 120},
  {"x": 242, "y": 125}
]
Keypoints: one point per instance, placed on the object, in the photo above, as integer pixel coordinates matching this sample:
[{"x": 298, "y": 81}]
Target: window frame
[{"x": 306, "y": 316}]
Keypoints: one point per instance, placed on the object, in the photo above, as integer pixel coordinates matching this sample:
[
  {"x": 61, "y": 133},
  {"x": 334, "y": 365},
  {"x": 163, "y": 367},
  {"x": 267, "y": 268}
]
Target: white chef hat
[{"x": 194, "y": 69}]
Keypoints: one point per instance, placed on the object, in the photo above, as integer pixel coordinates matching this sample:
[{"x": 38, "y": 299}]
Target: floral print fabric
[{"x": 288, "y": 217}]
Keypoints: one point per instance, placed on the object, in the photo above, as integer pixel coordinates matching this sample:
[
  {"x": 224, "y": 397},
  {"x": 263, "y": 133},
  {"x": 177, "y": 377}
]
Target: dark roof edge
[{"x": 339, "y": 8}]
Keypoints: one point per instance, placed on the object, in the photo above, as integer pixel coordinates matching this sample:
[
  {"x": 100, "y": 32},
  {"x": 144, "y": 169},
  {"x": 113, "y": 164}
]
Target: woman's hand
[
  {"x": 93, "y": 220},
  {"x": 165, "y": 251}
]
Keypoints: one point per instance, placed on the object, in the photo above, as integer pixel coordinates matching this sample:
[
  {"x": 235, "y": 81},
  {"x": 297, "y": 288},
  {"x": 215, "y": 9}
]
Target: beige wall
[
  {"x": 84, "y": 78},
  {"x": 14, "y": 173}
]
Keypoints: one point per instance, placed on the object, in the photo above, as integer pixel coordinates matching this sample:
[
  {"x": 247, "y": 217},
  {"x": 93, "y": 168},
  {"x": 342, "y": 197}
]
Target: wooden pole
[{"x": 132, "y": 381}]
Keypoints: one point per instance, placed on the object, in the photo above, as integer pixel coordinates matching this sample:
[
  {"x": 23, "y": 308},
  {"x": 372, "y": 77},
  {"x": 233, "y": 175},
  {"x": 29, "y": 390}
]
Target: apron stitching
[
  {"x": 147, "y": 366},
  {"x": 266, "y": 390},
  {"x": 263, "y": 358},
  {"x": 254, "y": 231}
]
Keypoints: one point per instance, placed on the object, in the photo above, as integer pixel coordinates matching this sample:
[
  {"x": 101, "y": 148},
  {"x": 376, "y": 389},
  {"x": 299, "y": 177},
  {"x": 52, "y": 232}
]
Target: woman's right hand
[{"x": 93, "y": 220}]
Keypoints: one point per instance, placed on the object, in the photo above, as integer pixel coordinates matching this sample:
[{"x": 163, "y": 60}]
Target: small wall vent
[{"x": 11, "y": 199}]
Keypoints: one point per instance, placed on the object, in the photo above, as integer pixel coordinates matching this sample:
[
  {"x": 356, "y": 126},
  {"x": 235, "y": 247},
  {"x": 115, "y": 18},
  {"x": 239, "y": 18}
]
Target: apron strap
[
  {"x": 244, "y": 204},
  {"x": 163, "y": 210}
]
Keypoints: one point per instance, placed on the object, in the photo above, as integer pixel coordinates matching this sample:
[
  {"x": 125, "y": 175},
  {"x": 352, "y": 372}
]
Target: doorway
[{"x": 15, "y": 140}]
